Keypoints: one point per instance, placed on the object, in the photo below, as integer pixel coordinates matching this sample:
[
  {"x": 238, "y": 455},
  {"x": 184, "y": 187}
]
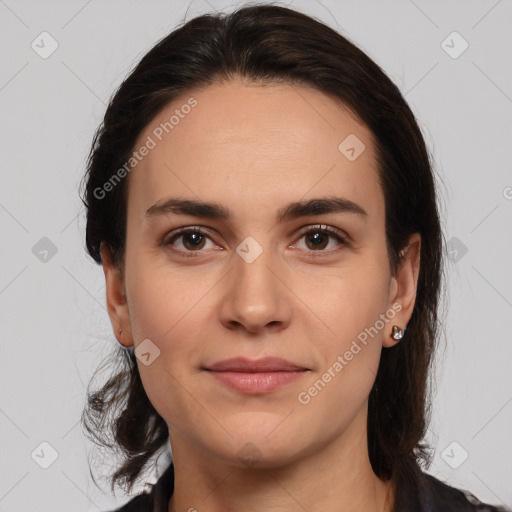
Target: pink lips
[{"x": 256, "y": 376}]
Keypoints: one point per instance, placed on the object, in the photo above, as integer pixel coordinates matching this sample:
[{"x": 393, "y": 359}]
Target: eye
[
  {"x": 193, "y": 239},
  {"x": 317, "y": 237}
]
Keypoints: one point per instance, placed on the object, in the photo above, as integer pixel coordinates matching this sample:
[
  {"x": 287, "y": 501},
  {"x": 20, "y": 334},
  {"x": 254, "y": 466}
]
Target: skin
[{"x": 254, "y": 149}]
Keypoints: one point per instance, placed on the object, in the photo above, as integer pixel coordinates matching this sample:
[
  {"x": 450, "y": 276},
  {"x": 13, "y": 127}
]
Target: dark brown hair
[{"x": 265, "y": 44}]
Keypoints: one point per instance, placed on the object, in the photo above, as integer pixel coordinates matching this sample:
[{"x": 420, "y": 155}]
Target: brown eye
[
  {"x": 192, "y": 239},
  {"x": 317, "y": 238}
]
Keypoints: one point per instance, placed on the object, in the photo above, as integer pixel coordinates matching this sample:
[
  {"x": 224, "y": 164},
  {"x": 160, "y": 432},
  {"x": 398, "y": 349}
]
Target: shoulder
[
  {"x": 439, "y": 496},
  {"x": 141, "y": 503},
  {"x": 157, "y": 499}
]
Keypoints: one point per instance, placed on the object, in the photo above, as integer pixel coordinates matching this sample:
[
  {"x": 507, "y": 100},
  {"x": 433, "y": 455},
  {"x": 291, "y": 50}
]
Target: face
[{"x": 255, "y": 277}]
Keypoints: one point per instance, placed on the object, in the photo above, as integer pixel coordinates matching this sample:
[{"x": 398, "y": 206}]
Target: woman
[{"x": 264, "y": 208}]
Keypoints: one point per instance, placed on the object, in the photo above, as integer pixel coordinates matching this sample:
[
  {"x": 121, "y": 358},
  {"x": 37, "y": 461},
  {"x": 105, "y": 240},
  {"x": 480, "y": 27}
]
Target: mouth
[{"x": 256, "y": 376}]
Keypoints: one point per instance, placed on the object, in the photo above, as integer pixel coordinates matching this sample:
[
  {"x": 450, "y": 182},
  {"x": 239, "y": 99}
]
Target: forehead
[{"x": 247, "y": 143}]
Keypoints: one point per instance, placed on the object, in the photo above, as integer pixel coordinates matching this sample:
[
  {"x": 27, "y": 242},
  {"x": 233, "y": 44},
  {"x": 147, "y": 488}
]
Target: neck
[{"x": 337, "y": 476}]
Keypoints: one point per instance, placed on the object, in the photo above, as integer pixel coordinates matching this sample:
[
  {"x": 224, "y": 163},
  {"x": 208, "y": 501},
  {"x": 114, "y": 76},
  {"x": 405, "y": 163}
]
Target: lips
[
  {"x": 266, "y": 364},
  {"x": 256, "y": 376}
]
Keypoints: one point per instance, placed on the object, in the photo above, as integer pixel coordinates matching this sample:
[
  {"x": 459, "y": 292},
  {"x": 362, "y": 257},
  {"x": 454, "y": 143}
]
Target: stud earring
[
  {"x": 120, "y": 331},
  {"x": 397, "y": 333}
]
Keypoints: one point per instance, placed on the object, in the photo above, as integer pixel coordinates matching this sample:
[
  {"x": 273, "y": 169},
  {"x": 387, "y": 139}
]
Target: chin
[{"x": 258, "y": 445}]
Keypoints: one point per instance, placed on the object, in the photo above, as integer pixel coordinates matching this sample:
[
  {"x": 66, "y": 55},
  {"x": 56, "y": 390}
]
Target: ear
[
  {"x": 117, "y": 306},
  {"x": 402, "y": 290}
]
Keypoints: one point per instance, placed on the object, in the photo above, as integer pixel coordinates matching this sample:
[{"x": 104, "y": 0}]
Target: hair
[{"x": 273, "y": 44}]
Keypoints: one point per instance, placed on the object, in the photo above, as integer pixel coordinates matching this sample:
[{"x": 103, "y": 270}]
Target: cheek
[
  {"x": 170, "y": 308},
  {"x": 162, "y": 298},
  {"x": 351, "y": 301},
  {"x": 349, "y": 353},
  {"x": 166, "y": 308}
]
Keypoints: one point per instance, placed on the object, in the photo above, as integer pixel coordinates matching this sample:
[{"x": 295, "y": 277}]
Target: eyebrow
[{"x": 294, "y": 210}]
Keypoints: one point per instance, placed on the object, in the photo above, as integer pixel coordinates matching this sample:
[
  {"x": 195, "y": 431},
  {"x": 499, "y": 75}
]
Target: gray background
[{"x": 55, "y": 327}]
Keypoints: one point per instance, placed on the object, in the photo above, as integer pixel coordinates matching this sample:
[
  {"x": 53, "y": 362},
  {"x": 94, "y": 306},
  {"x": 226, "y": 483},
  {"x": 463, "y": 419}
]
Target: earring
[
  {"x": 120, "y": 331},
  {"x": 397, "y": 333}
]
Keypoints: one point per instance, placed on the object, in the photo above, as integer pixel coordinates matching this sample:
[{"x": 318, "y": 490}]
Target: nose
[{"x": 256, "y": 298}]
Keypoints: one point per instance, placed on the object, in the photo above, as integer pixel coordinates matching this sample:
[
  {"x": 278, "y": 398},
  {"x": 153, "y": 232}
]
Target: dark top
[{"x": 427, "y": 494}]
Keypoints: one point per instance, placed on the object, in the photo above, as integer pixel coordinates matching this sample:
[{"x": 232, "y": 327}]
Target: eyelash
[{"x": 319, "y": 228}]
